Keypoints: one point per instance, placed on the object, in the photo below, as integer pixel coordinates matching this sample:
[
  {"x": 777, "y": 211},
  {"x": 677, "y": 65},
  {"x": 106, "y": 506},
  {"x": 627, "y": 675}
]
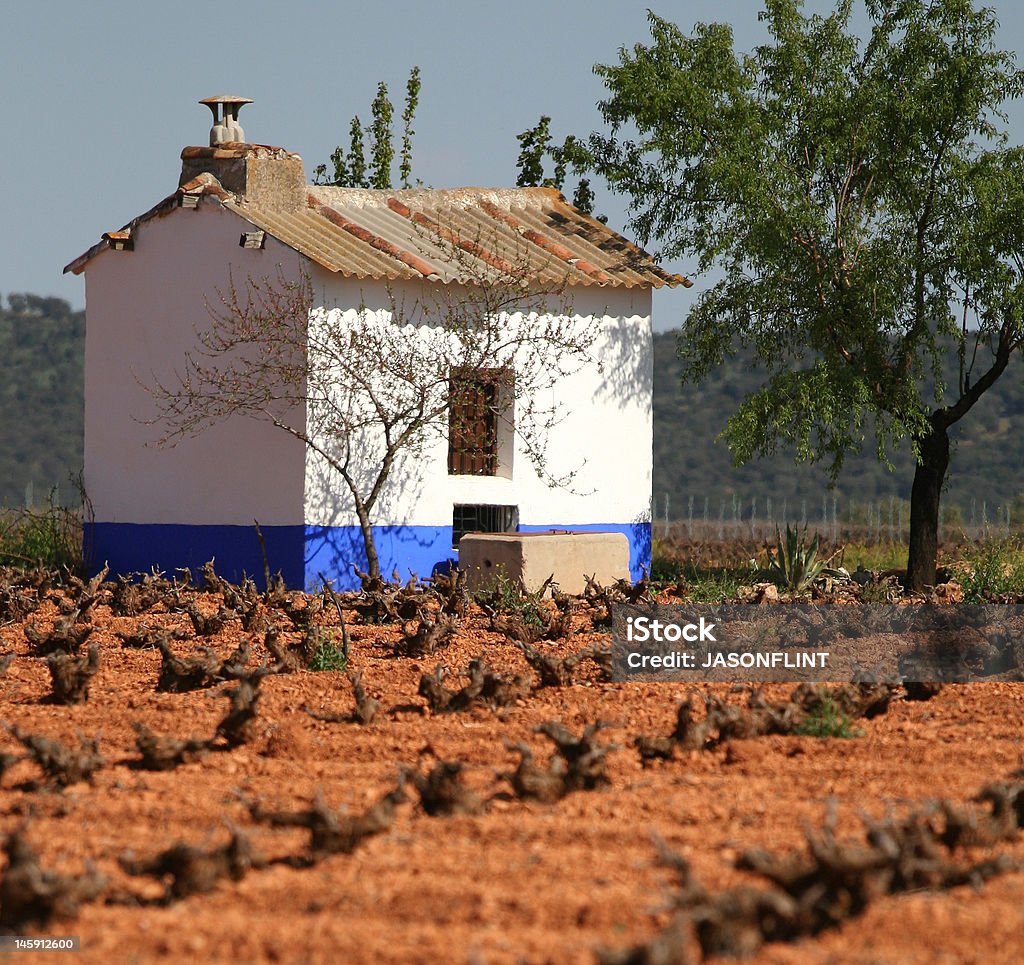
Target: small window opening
[{"x": 482, "y": 518}]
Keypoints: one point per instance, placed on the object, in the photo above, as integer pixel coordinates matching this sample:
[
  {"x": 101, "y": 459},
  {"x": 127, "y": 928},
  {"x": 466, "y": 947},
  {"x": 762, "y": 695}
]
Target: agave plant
[{"x": 794, "y": 564}]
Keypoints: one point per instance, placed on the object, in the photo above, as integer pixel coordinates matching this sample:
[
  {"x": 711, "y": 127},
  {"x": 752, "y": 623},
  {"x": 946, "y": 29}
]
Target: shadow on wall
[
  {"x": 334, "y": 545},
  {"x": 627, "y": 361},
  {"x": 640, "y": 549},
  {"x": 337, "y": 551}
]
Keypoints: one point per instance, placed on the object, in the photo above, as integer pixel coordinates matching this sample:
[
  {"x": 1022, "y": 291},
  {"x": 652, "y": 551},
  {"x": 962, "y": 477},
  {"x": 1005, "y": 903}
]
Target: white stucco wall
[
  {"x": 605, "y": 436},
  {"x": 144, "y": 307}
]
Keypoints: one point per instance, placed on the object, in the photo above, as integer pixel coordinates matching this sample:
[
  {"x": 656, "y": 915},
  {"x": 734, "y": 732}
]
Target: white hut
[{"x": 244, "y": 215}]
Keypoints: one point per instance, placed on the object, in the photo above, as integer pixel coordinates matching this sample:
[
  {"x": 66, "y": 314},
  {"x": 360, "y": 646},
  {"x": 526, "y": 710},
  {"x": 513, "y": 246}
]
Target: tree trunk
[
  {"x": 924, "y": 506},
  {"x": 372, "y": 559}
]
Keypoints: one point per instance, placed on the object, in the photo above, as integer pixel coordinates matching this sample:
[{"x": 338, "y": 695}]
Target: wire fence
[
  {"x": 703, "y": 518},
  {"x": 38, "y": 498}
]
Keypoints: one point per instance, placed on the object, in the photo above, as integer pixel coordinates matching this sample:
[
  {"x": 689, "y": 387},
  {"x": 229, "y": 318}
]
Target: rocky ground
[{"x": 284, "y": 828}]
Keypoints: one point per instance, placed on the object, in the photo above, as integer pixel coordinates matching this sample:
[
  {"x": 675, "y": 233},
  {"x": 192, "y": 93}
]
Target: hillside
[
  {"x": 41, "y": 390},
  {"x": 986, "y": 465}
]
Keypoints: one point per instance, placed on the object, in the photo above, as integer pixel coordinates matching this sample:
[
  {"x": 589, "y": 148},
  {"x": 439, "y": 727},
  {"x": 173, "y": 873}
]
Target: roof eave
[{"x": 202, "y": 186}]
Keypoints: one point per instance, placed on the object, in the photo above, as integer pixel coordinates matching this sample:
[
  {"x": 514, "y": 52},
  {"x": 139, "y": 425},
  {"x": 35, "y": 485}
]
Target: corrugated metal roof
[{"x": 452, "y": 235}]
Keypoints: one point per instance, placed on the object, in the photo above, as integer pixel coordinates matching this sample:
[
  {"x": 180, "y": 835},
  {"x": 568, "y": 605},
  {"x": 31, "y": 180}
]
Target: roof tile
[{"x": 412, "y": 234}]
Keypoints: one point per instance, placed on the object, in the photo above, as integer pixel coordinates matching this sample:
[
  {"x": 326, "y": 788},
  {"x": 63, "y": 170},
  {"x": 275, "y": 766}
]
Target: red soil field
[{"x": 520, "y": 881}]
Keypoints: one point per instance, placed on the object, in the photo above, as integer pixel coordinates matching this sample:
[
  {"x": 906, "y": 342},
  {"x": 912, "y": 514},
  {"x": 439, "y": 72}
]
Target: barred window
[
  {"x": 482, "y": 518},
  {"x": 473, "y": 422}
]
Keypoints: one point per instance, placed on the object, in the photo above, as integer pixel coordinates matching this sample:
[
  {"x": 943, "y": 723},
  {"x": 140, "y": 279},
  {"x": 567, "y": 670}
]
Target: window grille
[
  {"x": 482, "y": 518},
  {"x": 473, "y": 424}
]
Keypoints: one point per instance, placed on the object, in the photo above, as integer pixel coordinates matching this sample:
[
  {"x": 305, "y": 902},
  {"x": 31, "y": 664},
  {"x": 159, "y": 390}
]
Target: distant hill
[
  {"x": 41, "y": 391},
  {"x": 42, "y": 345},
  {"x": 986, "y": 467}
]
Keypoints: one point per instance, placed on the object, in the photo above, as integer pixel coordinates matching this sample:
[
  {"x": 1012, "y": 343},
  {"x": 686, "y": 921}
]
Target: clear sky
[{"x": 99, "y": 97}]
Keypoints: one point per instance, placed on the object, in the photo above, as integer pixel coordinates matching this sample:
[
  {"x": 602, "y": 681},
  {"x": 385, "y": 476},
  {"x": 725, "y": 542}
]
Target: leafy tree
[
  {"x": 352, "y": 170},
  {"x": 861, "y": 201},
  {"x": 535, "y": 147}
]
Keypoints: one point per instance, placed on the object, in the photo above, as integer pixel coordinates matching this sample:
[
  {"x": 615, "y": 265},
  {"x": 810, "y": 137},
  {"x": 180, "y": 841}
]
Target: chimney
[
  {"x": 269, "y": 176},
  {"x": 225, "y": 118}
]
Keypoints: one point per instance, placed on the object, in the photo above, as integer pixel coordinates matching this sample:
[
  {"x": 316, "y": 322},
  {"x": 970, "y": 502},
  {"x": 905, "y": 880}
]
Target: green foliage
[
  {"x": 412, "y": 100},
  {"x": 356, "y": 156},
  {"x": 48, "y": 539},
  {"x": 329, "y": 653},
  {"x": 827, "y": 720},
  {"x": 875, "y": 557},
  {"x": 1017, "y": 510},
  {"x": 42, "y": 347},
  {"x": 665, "y": 568},
  {"x": 991, "y": 569},
  {"x": 506, "y": 596},
  {"x": 859, "y": 202},
  {"x": 383, "y": 149},
  {"x": 534, "y": 145},
  {"x": 794, "y": 565},
  {"x": 986, "y": 468},
  {"x": 718, "y": 584},
  {"x": 886, "y": 590},
  {"x": 352, "y": 169},
  {"x": 535, "y": 148}
]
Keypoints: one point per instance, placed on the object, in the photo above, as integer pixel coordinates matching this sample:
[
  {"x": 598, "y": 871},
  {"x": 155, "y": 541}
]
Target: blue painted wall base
[
  {"x": 304, "y": 554},
  {"x": 138, "y": 547}
]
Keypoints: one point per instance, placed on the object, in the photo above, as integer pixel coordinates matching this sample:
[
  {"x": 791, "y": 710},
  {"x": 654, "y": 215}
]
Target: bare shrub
[
  {"x": 71, "y": 675},
  {"x": 31, "y": 896},
  {"x": 333, "y": 832},
  {"x": 165, "y": 753},
  {"x": 193, "y": 871},
  {"x": 62, "y": 765}
]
